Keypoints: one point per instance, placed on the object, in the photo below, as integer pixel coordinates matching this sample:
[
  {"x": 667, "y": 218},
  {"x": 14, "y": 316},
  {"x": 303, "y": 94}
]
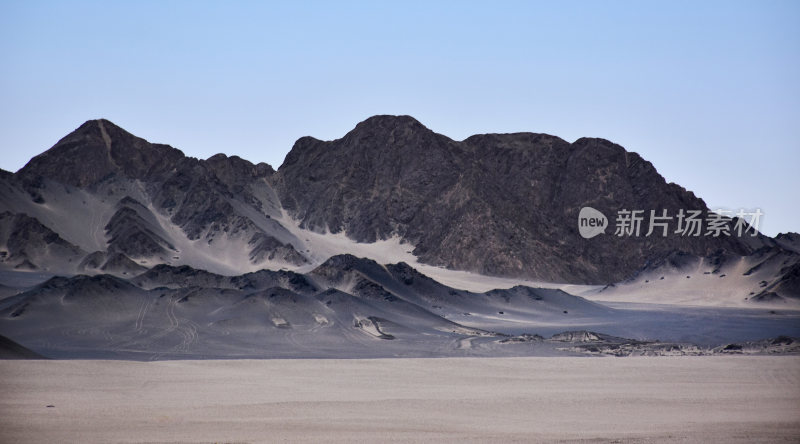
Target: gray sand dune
[{"x": 347, "y": 308}]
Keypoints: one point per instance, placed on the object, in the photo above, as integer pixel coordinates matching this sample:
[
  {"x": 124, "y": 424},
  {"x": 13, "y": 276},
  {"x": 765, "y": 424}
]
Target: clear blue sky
[{"x": 707, "y": 91}]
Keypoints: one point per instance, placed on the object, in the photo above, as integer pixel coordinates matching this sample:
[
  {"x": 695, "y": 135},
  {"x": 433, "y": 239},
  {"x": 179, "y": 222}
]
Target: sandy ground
[{"x": 705, "y": 399}]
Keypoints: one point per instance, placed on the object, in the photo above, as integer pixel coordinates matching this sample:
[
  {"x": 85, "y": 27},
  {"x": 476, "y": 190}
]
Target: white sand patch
[
  {"x": 319, "y": 247},
  {"x": 224, "y": 255},
  {"x": 701, "y": 289},
  {"x": 465, "y": 280},
  {"x": 322, "y": 246},
  {"x": 698, "y": 286}
]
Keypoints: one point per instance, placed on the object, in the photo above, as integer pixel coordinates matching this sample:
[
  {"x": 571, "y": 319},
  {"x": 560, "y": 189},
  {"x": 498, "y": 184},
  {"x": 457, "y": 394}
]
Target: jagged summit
[
  {"x": 521, "y": 140},
  {"x": 496, "y": 204},
  {"x": 390, "y": 123},
  {"x": 500, "y": 204},
  {"x": 98, "y": 149},
  {"x": 392, "y": 132},
  {"x": 167, "y": 256},
  {"x": 789, "y": 240},
  {"x": 232, "y": 169},
  {"x": 390, "y": 137}
]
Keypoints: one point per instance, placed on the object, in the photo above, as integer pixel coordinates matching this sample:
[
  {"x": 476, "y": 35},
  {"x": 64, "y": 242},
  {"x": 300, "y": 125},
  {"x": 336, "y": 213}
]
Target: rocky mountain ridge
[{"x": 105, "y": 201}]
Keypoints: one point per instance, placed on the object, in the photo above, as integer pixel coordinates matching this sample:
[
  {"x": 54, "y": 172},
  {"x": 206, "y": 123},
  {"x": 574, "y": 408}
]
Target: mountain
[
  {"x": 28, "y": 242},
  {"x": 102, "y": 200},
  {"x": 130, "y": 204},
  {"x": 391, "y": 241},
  {"x": 347, "y": 307},
  {"x": 497, "y": 204},
  {"x": 97, "y": 150}
]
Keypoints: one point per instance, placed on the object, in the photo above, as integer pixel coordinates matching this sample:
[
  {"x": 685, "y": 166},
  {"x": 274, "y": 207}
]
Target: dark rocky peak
[
  {"x": 495, "y": 203},
  {"x": 101, "y": 283},
  {"x": 194, "y": 197},
  {"x": 266, "y": 247},
  {"x": 333, "y": 183},
  {"x": 304, "y": 151},
  {"x": 388, "y": 124},
  {"x": 134, "y": 231},
  {"x": 338, "y": 267},
  {"x": 276, "y": 295},
  {"x": 609, "y": 169},
  {"x": 52, "y": 283},
  {"x": 171, "y": 271},
  {"x": 608, "y": 177},
  {"x": 379, "y": 138},
  {"x": 410, "y": 276},
  {"x": 25, "y": 238},
  {"x": 333, "y": 296},
  {"x": 789, "y": 241},
  {"x": 179, "y": 276},
  {"x": 261, "y": 279},
  {"x": 403, "y": 270},
  {"x": 395, "y": 133},
  {"x": 531, "y": 156},
  {"x": 529, "y": 142},
  {"x": 119, "y": 263},
  {"x": 99, "y": 149},
  {"x": 538, "y": 294},
  {"x": 347, "y": 262},
  {"x": 129, "y": 202},
  {"x": 600, "y": 153},
  {"x": 237, "y": 172},
  {"x": 598, "y": 143},
  {"x": 185, "y": 276}
]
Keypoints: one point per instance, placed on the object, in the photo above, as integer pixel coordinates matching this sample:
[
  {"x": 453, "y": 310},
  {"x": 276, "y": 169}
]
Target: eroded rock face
[
  {"x": 211, "y": 200},
  {"x": 134, "y": 232},
  {"x": 501, "y": 204},
  {"x": 97, "y": 150},
  {"x": 497, "y": 204},
  {"x": 26, "y": 244}
]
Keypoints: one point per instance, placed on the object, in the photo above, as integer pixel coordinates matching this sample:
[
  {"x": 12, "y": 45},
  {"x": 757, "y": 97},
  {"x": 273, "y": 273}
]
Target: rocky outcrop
[
  {"x": 28, "y": 245},
  {"x": 222, "y": 199},
  {"x": 133, "y": 231},
  {"x": 499, "y": 204},
  {"x": 97, "y": 150},
  {"x": 496, "y": 204}
]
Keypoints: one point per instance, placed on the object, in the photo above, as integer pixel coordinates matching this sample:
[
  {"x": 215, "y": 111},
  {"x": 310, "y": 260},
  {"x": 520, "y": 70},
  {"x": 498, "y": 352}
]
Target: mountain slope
[
  {"x": 346, "y": 307},
  {"x": 116, "y": 195},
  {"x": 12, "y": 350},
  {"x": 391, "y": 189},
  {"x": 97, "y": 150},
  {"x": 498, "y": 204}
]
